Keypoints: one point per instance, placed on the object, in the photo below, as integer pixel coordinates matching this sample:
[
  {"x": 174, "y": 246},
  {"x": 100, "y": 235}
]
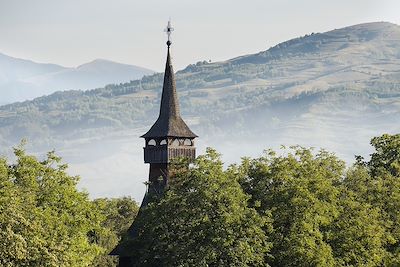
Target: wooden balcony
[{"x": 164, "y": 154}]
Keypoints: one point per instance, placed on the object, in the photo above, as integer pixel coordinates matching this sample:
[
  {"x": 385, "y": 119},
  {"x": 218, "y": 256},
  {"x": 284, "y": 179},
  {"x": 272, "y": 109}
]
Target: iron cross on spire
[{"x": 169, "y": 30}]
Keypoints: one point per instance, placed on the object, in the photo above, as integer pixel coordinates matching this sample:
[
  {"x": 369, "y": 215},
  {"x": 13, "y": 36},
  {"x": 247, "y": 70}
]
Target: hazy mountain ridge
[
  {"x": 26, "y": 68},
  {"x": 334, "y": 90},
  {"x": 236, "y": 84},
  {"x": 22, "y": 79}
]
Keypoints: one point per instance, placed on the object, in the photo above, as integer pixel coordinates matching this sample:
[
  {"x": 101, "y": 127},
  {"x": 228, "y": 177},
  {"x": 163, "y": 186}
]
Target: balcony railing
[{"x": 164, "y": 154}]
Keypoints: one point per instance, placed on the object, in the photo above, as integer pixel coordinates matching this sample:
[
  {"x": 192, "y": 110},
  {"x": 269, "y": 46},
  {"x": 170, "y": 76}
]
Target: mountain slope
[
  {"x": 334, "y": 90},
  {"x": 24, "y": 79},
  {"x": 16, "y": 69}
]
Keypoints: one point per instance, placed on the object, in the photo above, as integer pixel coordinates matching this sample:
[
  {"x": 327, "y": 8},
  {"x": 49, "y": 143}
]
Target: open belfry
[{"x": 169, "y": 138}]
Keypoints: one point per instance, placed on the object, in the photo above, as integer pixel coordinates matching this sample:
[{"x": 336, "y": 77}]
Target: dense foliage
[
  {"x": 325, "y": 215},
  {"x": 119, "y": 214},
  {"x": 318, "y": 220},
  {"x": 46, "y": 221},
  {"x": 202, "y": 220},
  {"x": 297, "y": 208}
]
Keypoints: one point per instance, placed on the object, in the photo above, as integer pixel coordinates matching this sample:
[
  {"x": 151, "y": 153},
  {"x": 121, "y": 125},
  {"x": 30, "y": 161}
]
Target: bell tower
[{"x": 167, "y": 139}]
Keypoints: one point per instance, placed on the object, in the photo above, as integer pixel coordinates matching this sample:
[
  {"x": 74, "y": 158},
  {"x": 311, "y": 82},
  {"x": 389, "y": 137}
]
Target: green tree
[
  {"x": 44, "y": 219},
  {"x": 299, "y": 190},
  {"x": 382, "y": 189},
  {"x": 318, "y": 219},
  {"x": 202, "y": 220},
  {"x": 119, "y": 214},
  {"x": 386, "y": 157},
  {"x": 357, "y": 236},
  {"x": 324, "y": 215}
]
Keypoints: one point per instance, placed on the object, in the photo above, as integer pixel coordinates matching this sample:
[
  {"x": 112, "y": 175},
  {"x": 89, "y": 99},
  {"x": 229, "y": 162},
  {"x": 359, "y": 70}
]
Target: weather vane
[{"x": 169, "y": 30}]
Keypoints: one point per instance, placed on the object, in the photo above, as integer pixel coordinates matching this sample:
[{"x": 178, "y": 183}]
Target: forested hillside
[{"x": 335, "y": 89}]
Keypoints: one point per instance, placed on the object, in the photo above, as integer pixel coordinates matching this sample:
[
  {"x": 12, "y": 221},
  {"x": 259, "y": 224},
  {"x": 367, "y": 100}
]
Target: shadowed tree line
[{"x": 298, "y": 207}]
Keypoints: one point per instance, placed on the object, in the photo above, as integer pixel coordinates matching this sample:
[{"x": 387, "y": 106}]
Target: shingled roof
[{"x": 169, "y": 122}]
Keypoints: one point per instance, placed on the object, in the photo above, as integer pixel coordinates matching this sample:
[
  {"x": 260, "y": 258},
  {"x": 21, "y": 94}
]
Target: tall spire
[
  {"x": 169, "y": 122},
  {"x": 169, "y": 99}
]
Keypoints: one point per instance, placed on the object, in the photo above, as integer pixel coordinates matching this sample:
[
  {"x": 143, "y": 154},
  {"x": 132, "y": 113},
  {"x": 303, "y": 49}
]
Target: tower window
[
  {"x": 175, "y": 142},
  {"x": 163, "y": 142},
  {"x": 152, "y": 142},
  {"x": 187, "y": 142}
]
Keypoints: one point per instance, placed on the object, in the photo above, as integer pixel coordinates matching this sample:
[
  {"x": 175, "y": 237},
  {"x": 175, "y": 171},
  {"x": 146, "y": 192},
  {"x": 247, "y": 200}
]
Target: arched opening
[
  {"x": 152, "y": 142},
  {"x": 163, "y": 142},
  {"x": 175, "y": 142},
  {"x": 187, "y": 142}
]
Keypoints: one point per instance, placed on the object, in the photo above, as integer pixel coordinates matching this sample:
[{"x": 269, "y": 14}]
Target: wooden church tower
[{"x": 167, "y": 139}]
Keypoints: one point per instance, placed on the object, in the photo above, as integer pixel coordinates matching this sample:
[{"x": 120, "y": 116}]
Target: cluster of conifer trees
[{"x": 295, "y": 208}]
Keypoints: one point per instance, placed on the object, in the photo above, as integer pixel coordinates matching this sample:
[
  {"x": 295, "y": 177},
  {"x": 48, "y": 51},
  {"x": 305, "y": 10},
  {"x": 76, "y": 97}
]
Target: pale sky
[{"x": 72, "y": 32}]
